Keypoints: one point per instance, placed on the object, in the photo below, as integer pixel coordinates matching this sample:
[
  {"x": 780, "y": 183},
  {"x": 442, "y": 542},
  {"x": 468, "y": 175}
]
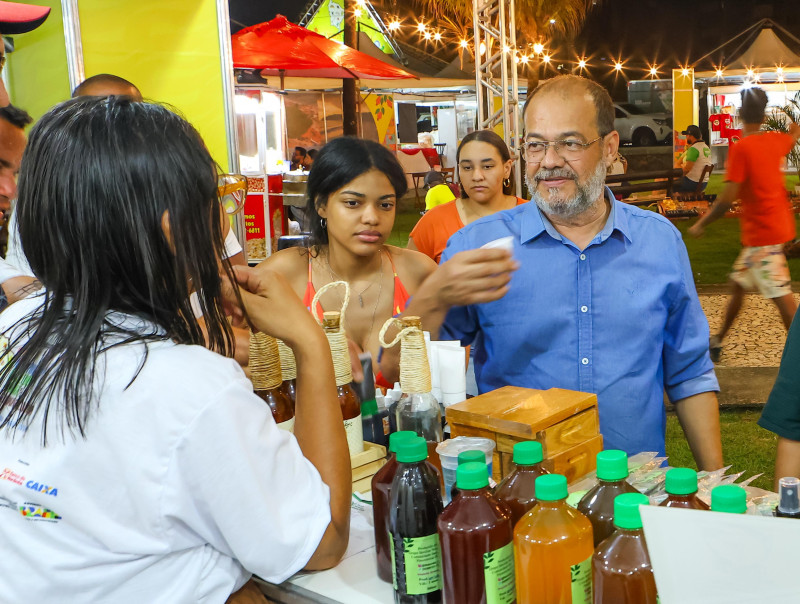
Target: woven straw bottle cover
[
  {"x": 337, "y": 338},
  {"x": 265, "y": 369},
  {"x": 415, "y": 371}
]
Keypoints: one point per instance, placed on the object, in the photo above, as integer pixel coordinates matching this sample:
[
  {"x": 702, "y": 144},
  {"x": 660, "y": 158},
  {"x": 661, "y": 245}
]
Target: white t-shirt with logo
[
  {"x": 182, "y": 487},
  {"x": 700, "y": 154}
]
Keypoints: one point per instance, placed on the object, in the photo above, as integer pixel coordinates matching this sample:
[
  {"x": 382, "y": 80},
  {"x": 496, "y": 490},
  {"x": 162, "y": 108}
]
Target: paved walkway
[{"x": 752, "y": 349}]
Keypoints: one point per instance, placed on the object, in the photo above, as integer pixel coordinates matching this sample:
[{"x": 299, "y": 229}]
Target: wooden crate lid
[{"x": 520, "y": 411}]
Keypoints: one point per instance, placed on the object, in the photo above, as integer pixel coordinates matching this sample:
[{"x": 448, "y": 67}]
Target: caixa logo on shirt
[
  {"x": 36, "y": 511},
  {"x": 41, "y": 488}
]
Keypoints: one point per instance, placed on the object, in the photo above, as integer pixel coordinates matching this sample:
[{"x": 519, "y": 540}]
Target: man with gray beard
[{"x": 602, "y": 299}]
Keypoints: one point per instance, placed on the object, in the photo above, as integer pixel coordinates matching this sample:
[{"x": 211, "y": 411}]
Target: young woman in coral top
[
  {"x": 352, "y": 192},
  {"x": 486, "y": 174}
]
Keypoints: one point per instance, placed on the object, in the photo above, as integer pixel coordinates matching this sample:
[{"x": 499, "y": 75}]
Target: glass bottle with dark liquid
[
  {"x": 418, "y": 410},
  {"x": 516, "y": 490},
  {"x": 621, "y": 569},
  {"x": 553, "y": 548},
  {"x": 477, "y": 538},
  {"x": 681, "y": 487},
  {"x": 288, "y": 371},
  {"x": 265, "y": 373},
  {"x": 351, "y": 406},
  {"x": 414, "y": 506},
  {"x": 598, "y": 503},
  {"x": 381, "y": 489}
]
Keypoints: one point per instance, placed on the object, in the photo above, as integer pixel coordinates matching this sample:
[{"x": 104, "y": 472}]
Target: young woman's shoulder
[
  {"x": 292, "y": 263},
  {"x": 412, "y": 267}
]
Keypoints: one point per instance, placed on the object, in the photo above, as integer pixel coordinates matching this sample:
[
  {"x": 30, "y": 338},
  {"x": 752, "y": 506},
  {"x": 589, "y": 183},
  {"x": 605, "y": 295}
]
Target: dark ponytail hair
[
  {"x": 494, "y": 139},
  {"x": 97, "y": 178},
  {"x": 338, "y": 163}
]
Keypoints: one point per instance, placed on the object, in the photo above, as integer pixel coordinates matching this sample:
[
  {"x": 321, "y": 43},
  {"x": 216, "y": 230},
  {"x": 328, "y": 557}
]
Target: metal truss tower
[{"x": 496, "y": 72}]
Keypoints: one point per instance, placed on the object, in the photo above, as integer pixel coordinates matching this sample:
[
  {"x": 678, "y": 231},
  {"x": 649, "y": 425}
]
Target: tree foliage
[{"x": 779, "y": 122}]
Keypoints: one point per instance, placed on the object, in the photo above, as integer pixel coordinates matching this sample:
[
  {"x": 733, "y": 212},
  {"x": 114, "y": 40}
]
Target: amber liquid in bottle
[
  {"x": 348, "y": 400},
  {"x": 553, "y": 550},
  {"x": 621, "y": 570},
  {"x": 598, "y": 506},
  {"x": 516, "y": 490},
  {"x": 265, "y": 373},
  {"x": 381, "y": 486},
  {"x": 692, "y": 502},
  {"x": 473, "y": 525}
]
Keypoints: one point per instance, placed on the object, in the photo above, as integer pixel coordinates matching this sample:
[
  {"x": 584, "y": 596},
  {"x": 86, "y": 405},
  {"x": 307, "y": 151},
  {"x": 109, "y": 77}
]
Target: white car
[{"x": 640, "y": 128}]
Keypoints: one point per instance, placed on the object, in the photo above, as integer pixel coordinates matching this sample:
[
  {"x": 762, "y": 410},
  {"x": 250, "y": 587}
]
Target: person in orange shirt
[
  {"x": 485, "y": 172},
  {"x": 754, "y": 177}
]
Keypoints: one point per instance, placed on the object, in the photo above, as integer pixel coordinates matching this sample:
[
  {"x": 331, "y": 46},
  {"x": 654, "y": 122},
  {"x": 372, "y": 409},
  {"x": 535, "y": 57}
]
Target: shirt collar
[{"x": 534, "y": 222}]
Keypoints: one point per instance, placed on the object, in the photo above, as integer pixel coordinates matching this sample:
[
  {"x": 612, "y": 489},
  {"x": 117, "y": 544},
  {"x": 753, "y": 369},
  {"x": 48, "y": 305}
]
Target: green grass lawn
[{"x": 746, "y": 446}]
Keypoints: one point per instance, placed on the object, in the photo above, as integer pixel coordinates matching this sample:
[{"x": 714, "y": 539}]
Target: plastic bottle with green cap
[
  {"x": 464, "y": 457},
  {"x": 375, "y": 422},
  {"x": 729, "y": 498},
  {"x": 681, "y": 487},
  {"x": 476, "y": 534},
  {"x": 415, "y": 502},
  {"x": 516, "y": 490},
  {"x": 553, "y": 548},
  {"x": 598, "y": 503},
  {"x": 621, "y": 569},
  {"x": 381, "y": 487}
]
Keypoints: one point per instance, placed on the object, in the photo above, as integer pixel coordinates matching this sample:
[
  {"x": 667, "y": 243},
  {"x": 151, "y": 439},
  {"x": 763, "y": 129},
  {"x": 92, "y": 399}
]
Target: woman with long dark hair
[
  {"x": 139, "y": 465},
  {"x": 352, "y": 194},
  {"x": 486, "y": 178}
]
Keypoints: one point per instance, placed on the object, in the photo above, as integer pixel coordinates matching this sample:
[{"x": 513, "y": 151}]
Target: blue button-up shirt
[{"x": 620, "y": 318}]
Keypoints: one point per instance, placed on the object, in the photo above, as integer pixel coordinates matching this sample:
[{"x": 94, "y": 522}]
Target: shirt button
[
  {"x": 584, "y": 308},
  {"x": 583, "y": 256},
  {"x": 585, "y": 361}
]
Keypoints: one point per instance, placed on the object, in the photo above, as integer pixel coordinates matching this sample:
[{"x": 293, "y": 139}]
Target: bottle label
[
  {"x": 386, "y": 426},
  {"x": 288, "y": 425},
  {"x": 498, "y": 574},
  {"x": 581, "y": 575},
  {"x": 355, "y": 435},
  {"x": 423, "y": 562}
]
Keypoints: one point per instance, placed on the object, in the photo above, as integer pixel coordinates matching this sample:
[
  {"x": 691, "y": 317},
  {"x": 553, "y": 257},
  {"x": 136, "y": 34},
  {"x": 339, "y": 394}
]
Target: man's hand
[
  {"x": 696, "y": 230},
  {"x": 472, "y": 277}
]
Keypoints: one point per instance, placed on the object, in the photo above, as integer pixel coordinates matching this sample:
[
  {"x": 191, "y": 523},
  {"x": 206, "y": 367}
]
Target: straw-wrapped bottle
[
  {"x": 418, "y": 410},
  {"x": 351, "y": 407},
  {"x": 265, "y": 373},
  {"x": 288, "y": 371}
]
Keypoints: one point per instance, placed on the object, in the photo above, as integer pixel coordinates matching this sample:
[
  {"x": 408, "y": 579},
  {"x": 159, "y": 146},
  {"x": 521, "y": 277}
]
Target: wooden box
[
  {"x": 365, "y": 465},
  {"x": 566, "y": 422}
]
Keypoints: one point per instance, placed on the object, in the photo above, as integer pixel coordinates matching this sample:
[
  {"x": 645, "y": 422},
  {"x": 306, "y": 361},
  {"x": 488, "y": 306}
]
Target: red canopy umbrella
[{"x": 280, "y": 47}]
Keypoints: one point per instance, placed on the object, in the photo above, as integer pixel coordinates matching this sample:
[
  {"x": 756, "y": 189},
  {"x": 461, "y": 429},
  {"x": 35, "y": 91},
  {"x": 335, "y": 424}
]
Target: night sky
[{"x": 669, "y": 32}]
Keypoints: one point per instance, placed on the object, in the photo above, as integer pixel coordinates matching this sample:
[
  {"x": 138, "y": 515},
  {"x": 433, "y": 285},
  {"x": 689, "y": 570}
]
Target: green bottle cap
[
  {"x": 395, "y": 438},
  {"x": 369, "y": 407},
  {"x": 528, "y": 453},
  {"x": 612, "y": 465},
  {"x": 626, "y": 510},
  {"x": 472, "y": 475},
  {"x": 412, "y": 450},
  {"x": 729, "y": 498},
  {"x": 471, "y": 455},
  {"x": 681, "y": 481},
  {"x": 550, "y": 487}
]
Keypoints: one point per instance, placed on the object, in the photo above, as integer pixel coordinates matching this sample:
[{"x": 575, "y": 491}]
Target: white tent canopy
[{"x": 766, "y": 52}]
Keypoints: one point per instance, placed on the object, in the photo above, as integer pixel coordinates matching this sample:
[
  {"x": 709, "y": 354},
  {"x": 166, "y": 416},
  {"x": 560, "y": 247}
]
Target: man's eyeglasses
[
  {"x": 232, "y": 191},
  {"x": 570, "y": 149}
]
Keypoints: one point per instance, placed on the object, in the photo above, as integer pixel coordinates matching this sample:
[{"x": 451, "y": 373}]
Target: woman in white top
[{"x": 137, "y": 465}]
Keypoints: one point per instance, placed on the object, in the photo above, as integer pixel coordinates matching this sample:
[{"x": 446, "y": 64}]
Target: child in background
[{"x": 438, "y": 191}]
